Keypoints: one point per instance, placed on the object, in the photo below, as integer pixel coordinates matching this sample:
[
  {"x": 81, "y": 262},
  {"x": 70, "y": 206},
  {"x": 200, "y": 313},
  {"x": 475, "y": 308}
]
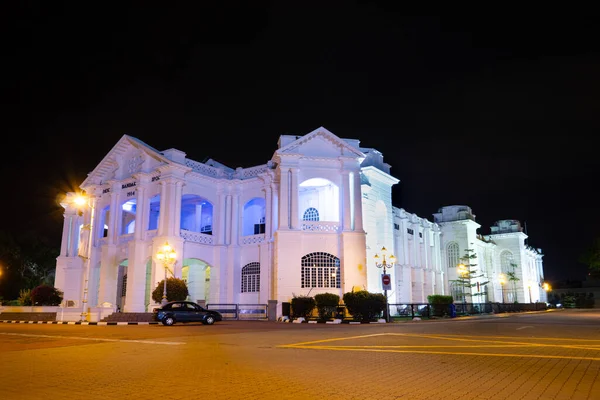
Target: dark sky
[{"x": 499, "y": 112}]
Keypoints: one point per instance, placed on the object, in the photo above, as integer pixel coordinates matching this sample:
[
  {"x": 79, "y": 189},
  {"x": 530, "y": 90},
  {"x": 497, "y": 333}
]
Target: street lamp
[
  {"x": 85, "y": 246},
  {"x": 166, "y": 254},
  {"x": 386, "y": 262},
  {"x": 462, "y": 270},
  {"x": 502, "y": 282}
]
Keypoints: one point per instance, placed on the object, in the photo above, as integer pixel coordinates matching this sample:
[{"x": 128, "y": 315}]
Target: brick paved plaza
[{"x": 551, "y": 355}]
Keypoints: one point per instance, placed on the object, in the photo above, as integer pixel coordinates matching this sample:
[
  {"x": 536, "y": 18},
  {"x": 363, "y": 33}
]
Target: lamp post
[
  {"x": 547, "y": 288},
  {"x": 462, "y": 270},
  {"x": 85, "y": 250},
  {"x": 166, "y": 254},
  {"x": 502, "y": 282},
  {"x": 386, "y": 262},
  {"x": 529, "y": 283}
]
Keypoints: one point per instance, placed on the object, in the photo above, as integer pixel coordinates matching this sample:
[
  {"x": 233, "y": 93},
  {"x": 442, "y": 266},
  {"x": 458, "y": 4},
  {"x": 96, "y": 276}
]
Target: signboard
[{"x": 386, "y": 281}]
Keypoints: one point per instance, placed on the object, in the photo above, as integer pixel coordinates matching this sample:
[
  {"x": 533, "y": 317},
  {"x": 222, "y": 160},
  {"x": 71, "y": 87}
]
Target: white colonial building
[{"x": 308, "y": 221}]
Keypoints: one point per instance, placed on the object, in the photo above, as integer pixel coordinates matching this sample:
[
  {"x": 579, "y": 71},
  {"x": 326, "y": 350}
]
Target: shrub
[
  {"x": 302, "y": 306},
  {"x": 363, "y": 305},
  {"x": 177, "y": 290},
  {"x": 327, "y": 304},
  {"x": 440, "y": 304},
  {"x": 25, "y": 297},
  {"x": 46, "y": 295}
]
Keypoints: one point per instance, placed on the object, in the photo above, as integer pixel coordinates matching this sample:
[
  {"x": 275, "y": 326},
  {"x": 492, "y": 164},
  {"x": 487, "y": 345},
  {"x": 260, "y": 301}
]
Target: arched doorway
[{"x": 196, "y": 274}]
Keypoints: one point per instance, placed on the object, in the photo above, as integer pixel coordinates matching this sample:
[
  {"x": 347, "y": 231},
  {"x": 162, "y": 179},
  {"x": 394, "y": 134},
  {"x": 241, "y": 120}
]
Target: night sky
[{"x": 498, "y": 112}]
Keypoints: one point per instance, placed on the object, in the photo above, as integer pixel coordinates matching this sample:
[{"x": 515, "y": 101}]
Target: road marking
[
  {"x": 92, "y": 339},
  {"x": 524, "y": 327},
  {"x": 484, "y": 342},
  {"x": 450, "y": 353}
]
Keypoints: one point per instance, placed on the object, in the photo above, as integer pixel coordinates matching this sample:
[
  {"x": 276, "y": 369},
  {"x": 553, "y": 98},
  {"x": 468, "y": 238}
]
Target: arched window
[
  {"x": 253, "y": 222},
  {"x": 320, "y": 270},
  {"x": 311, "y": 214},
  {"x": 104, "y": 218},
  {"x": 196, "y": 214},
  {"x": 319, "y": 194},
  {"x": 128, "y": 216},
  {"x": 452, "y": 254},
  {"x": 154, "y": 213},
  {"x": 251, "y": 277},
  {"x": 506, "y": 261}
]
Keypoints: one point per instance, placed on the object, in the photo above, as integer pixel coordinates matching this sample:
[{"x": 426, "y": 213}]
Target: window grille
[
  {"x": 452, "y": 253},
  {"x": 251, "y": 277},
  {"x": 311, "y": 214},
  {"x": 124, "y": 286},
  {"x": 320, "y": 270}
]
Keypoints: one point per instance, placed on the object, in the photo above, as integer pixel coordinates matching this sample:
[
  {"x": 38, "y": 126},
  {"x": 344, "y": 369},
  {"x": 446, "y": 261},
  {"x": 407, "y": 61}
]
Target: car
[{"x": 185, "y": 311}]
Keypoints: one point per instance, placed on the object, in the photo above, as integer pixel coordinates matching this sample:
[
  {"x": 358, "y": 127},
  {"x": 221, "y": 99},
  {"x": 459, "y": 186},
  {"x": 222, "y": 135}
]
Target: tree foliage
[
  {"x": 591, "y": 258},
  {"x": 177, "y": 290},
  {"x": 327, "y": 304},
  {"x": 363, "y": 305},
  {"x": 46, "y": 295},
  {"x": 471, "y": 281},
  {"x": 27, "y": 260}
]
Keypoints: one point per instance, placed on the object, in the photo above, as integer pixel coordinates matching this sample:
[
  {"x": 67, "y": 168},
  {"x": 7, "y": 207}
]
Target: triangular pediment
[
  {"x": 127, "y": 157},
  {"x": 320, "y": 143}
]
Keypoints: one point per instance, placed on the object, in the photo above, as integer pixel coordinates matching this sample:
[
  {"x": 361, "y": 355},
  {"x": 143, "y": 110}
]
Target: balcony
[{"x": 320, "y": 226}]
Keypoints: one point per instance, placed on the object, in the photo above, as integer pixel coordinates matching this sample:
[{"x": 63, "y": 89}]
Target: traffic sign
[{"x": 386, "y": 281}]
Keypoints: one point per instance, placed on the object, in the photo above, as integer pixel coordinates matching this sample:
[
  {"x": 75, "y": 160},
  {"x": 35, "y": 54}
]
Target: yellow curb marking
[
  {"x": 314, "y": 345},
  {"x": 93, "y": 339}
]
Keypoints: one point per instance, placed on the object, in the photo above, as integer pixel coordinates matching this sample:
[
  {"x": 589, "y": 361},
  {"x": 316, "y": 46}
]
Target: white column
[
  {"x": 222, "y": 214},
  {"x": 294, "y": 217},
  {"x": 162, "y": 213},
  {"x": 235, "y": 218},
  {"x": 198, "y": 218},
  {"x": 284, "y": 198},
  {"x": 177, "y": 209},
  {"x": 357, "y": 214},
  {"x": 274, "y": 210},
  {"x": 346, "y": 211},
  {"x": 113, "y": 224},
  {"x": 69, "y": 218},
  {"x": 228, "y": 217},
  {"x": 268, "y": 212},
  {"x": 170, "y": 207},
  {"x": 140, "y": 211},
  {"x": 66, "y": 248}
]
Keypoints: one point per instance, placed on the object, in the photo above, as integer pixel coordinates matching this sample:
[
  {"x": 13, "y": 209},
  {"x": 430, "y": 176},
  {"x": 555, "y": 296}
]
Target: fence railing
[{"x": 244, "y": 312}]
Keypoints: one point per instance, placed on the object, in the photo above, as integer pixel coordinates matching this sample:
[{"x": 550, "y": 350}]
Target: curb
[{"x": 78, "y": 323}]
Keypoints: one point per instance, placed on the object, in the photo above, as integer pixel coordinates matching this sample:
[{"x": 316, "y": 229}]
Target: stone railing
[
  {"x": 320, "y": 226},
  {"x": 205, "y": 169},
  {"x": 253, "y": 239},
  {"x": 197, "y": 237},
  {"x": 247, "y": 173},
  {"x": 239, "y": 173}
]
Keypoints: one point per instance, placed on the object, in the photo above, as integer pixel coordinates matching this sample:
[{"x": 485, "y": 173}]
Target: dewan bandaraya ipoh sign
[{"x": 130, "y": 185}]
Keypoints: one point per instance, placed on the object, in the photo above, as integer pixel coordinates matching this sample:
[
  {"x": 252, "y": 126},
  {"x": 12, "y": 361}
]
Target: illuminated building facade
[{"x": 308, "y": 221}]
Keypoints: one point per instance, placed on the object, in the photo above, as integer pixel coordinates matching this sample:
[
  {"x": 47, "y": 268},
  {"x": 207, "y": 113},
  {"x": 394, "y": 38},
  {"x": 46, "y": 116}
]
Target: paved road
[{"x": 552, "y": 355}]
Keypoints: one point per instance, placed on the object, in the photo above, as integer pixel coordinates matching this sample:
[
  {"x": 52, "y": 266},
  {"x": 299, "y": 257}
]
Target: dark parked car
[{"x": 185, "y": 311}]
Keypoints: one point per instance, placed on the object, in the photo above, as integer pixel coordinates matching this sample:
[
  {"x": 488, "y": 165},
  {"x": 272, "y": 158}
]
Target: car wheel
[
  {"x": 168, "y": 321},
  {"x": 209, "y": 320}
]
